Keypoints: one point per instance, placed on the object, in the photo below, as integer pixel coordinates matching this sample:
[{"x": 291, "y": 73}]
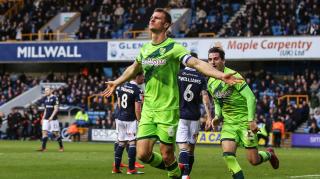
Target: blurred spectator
[
  {"x": 82, "y": 118},
  {"x": 278, "y": 132},
  {"x": 48, "y": 33},
  {"x": 14, "y": 121},
  {"x": 1, "y": 120},
  {"x": 25, "y": 123},
  {"x": 73, "y": 131},
  {"x": 35, "y": 123},
  {"x": 314, "y": 129}
]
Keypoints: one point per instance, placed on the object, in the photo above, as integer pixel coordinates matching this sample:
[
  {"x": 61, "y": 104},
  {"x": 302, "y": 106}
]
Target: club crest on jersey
[
  {"x": 171, "y": 131},
  {"x": 162, "y": 51}
]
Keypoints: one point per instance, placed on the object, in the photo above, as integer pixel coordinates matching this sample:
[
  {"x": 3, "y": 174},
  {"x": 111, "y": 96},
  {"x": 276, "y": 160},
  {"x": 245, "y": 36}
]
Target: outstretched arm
[
  {"x": 129, "y": 73},
  {"x": 208, "y": 70}
]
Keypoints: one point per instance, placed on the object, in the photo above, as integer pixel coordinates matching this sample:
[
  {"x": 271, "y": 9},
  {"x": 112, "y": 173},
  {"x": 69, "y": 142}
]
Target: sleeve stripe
[
  {"x": 185, "y": 59},
  {"x": 243, "y": 87}
]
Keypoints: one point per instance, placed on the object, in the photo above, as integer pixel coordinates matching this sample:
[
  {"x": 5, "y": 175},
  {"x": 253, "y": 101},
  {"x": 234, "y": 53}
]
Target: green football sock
[
  {"x": 156, "y": 161},
  {"x": 231, "y": 162},
  {"x": 174, "y": 170},
  {"x": 265, "y": 156}
]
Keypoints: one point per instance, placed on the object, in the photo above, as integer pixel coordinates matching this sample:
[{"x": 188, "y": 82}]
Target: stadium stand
[
  {"x": 13, "y": 85},
  {"x": 267, "y": 87},
  {"x": 207, "y": 16},
  {"x": 263, "y": 18},
  {"x": 100, "y": 19},
  {"x": 105, "y": 19}
]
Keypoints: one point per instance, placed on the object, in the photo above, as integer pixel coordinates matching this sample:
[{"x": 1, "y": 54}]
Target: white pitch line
[{"x": 305, "y": 176}]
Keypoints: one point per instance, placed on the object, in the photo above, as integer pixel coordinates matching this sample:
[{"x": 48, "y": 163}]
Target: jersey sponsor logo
[
  {"x": 48, "y": 52},
  {"x": 189, "y": 74},
  {"x": 223, "y": 94},
  {"x": 154, "y": 62}
]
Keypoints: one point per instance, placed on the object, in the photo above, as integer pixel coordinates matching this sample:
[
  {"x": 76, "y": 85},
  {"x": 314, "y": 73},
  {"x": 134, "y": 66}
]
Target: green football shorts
[
  {"x": 160, "y": 125},
  {"x": 240, "y": 133}
]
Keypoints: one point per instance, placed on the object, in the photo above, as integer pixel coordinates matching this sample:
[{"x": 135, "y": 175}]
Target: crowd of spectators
[
  {"x": 13, "y": 85},
  {"x": 268, "y": 89},
  {"x": 114, "y": 17},
  {"x": 29, "y": 20},
  {"x": 207, "y": 16},
  {"x": 5, "y": 6},
  {"x": 24, "y": 124},
  {"x": 100, "y": 19},
  {"x": 277, "y": 17},
  {"x": 105, "y": 19}
]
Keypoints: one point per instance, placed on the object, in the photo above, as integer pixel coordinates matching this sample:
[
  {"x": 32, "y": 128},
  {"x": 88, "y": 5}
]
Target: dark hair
[
  {"x": 194, "y": 54},
  {"x": 217, "y": 50},
  {"x": 139, "y": 73},
  {"x": 166, "y": 14}
]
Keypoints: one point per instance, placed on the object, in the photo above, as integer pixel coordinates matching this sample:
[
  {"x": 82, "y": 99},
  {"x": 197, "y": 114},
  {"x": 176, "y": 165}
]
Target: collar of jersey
[
  {"x": 133, "y": 82},
  {"x": 160, "y": 42},
  {"x": 190, "y": 69}
]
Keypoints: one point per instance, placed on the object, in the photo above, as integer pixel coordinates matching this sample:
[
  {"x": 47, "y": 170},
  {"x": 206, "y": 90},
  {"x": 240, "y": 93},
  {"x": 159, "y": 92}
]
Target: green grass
[{"x": 93, "y": 160}]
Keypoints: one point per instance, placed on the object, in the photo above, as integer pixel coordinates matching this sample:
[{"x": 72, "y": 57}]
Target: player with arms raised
[
  {"x": 160, "y": 61},
  {"x": 236, "y": 105}
]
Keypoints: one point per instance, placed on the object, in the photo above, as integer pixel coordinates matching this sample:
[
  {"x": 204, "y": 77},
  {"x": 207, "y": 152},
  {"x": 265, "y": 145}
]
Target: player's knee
[
  {"x": 254, "y": 161},
  {"x": 44, "y": 134},
  {"x": 228, "y": 156},
  {"x": 144, "y": 156},
  {"x": 168, "y": 158}
]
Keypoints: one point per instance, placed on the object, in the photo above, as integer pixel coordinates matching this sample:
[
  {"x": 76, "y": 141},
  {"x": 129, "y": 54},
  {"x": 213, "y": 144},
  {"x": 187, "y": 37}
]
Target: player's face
[
  {"x": 140, "y": 79},
  {"x": 215, "y": 60},
  {"x": 47, "y": 91},
  {"x": 158, "y": 22}
]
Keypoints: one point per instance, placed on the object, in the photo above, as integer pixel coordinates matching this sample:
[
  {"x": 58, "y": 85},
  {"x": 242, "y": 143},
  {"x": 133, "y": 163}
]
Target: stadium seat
[{"x": 235, "y": 7}]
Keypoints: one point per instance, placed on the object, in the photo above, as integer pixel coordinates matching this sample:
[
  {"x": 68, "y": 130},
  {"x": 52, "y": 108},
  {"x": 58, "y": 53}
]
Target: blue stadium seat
[
  {"x": 235, "y": 7},
  {"x": 276, "y": 30},
  {"x": 93, "y": 115},
  {"x": 302, "y": 28},
  {"x": 315, "y": 20},
  {"x": 113, "y": 35},
  {"x": 211, "y": 19},
  {"x": 225, "y": 18}
]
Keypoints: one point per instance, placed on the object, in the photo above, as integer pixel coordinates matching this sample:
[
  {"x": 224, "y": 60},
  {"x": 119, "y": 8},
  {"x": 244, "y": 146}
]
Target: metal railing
[
  {"x": 297, "y": 98},
  {"x": 207, "y": 34},
  {"x": 134, "y": 33},
  {"x": 45, "y": 36},
  {"x": 15, "y": 8}
]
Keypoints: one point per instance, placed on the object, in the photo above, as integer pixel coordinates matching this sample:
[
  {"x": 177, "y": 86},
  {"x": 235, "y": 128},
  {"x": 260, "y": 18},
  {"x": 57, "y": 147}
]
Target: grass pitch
[{"x": 19, "y": 160}]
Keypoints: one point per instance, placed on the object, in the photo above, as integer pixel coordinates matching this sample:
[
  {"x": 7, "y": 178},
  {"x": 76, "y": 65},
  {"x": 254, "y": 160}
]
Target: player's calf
[
  {"x": 118, "y": 156},
  {"x": 132, "y": 156},
  {"x": 156, "y": 161},
  {"x": 184, "y": 160},
  {"x": 233, "y": 165}
]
